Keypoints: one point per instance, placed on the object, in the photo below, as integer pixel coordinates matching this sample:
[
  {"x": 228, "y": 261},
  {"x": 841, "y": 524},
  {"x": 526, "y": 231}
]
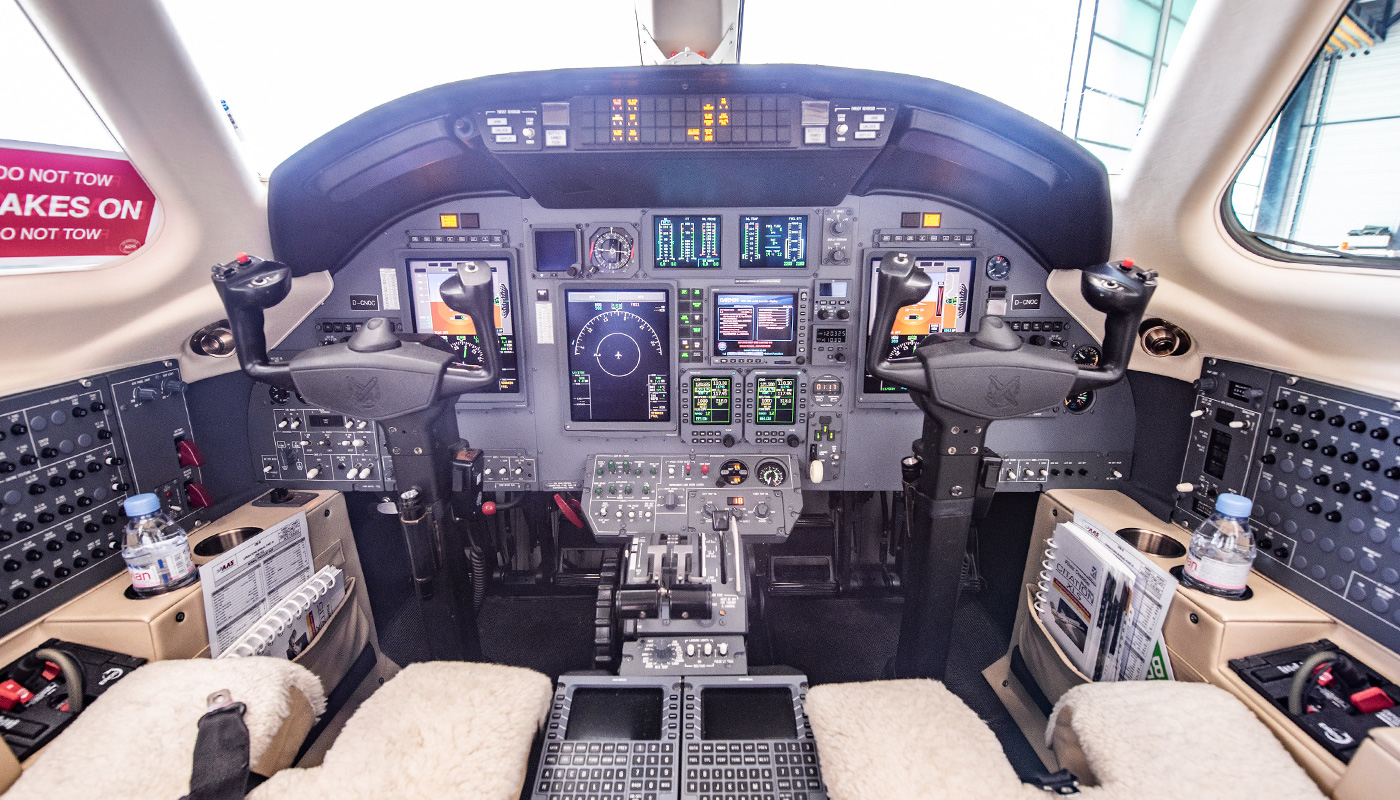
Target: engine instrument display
[
  {"x": 943, "y": 310},
  {"x": 431, "y": 315},
  {"x": 711, "y": 400},
  {"x": 773, "y": 241},
  {"x": 619, "y": 356},
  {"x": 755, "y": 324},
  {"x": 775, "y": 400},
  {"x": 687, "y": 242}
]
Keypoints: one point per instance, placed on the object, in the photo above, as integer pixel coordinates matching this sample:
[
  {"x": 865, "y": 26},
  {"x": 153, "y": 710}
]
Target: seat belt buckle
[
  {"x": 218, "y": 700},
  {"x": 1062, "y": 783}
]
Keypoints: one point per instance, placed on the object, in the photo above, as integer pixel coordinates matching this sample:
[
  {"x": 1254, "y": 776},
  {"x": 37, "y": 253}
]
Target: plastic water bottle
[
  {"x": 1222, "y": 550},
  {"x": 156, "y": 548}
]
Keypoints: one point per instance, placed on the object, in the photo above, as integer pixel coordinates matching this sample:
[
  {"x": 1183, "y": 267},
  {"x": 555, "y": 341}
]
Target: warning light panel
[
  {"x": 920, "y": 219},
  {"x": 447, "y": 220},
  {"x": 932, "y": 220}
]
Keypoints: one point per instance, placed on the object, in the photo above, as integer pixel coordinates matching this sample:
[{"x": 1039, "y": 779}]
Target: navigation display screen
[
  {"x": 431, "y": 315},
  {"x": 775, "y": 400},
  {"x": 777, "y": 241},
  {"x": 556, "y": 250},
  {"x": 711, "y": 400},
  {"x": 615, "y": 714},
  {"x": 755, "y": 324},
  {"x": 619, "y": 356},
  {"x": 690, "y": 242},
  {"x": 943, "y": 310}
]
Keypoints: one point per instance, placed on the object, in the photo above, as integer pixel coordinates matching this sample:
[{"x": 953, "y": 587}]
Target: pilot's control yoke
[
  {"x": 406, "y": 383},
  {"x": 962, "y": 382}
]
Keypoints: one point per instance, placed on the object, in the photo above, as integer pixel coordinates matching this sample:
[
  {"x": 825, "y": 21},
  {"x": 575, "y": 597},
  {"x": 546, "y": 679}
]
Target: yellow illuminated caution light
[
  {"x": 933, "y": 220},
  {"x": 632, "y": 101},
  {"x": 723, "y": 119},
  {"x": 447, "y": 221},
  {"x": 693, "y": 133}
]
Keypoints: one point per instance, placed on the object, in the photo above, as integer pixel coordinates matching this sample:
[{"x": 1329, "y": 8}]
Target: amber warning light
[
  {"x": 447, "y": 220},
  {"x": 920, "y": 219}
]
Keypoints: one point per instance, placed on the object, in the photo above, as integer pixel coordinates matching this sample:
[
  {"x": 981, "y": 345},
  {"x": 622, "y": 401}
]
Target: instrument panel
[{"x": 681, "y": 332}]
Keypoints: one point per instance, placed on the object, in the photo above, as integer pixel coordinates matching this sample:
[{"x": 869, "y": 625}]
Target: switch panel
[{"x": 300, "y": 446}]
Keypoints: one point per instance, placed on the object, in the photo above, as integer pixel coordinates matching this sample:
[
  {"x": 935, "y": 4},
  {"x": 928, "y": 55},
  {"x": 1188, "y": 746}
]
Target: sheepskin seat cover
[
  {"x": 436, "y": 730},
  {"x": 136, "y": 740},
  {"x": 914, "y": 739}
]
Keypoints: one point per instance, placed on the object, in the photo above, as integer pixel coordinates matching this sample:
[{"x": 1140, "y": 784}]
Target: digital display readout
[
  {"x": 619, "y": 356},
  {"x": 773, "y": 242},
  {"x": 431, "y": 315},
  {"x": 755, "y": 324},
  {"x": 831, "y": 336},
  {"x": 943, "y": 310},
  {"x": 689, "y": 242},
  {"x": 775, "y": 400},
  {"x": 711, "y": 400}
]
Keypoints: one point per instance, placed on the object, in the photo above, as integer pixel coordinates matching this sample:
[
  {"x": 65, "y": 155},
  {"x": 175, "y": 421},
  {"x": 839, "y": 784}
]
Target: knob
[
  {"x": 57, "y": 481},
  {"x": 73, "y": 536},
  {"x": 28, "y": 460},
  {"x": 6, "y": 536},
  {"x": 1380, "y": 433},
  {"x": 671, "y": 499},
  {"x": 792, "y": 440},
  {"x": 823, "y": 313},
  {"x": 1357, "y": 427},
  {"x": 76, "y": 474},
  {"x": 1298, "y": 410},
  {"x": 78, "y": 412},
  {"x": 54, "y": 546},
  {"x": 1328, "y": 450},
  {"x": 728, "y": 440},
  {"x": 838, "y": 225},
  {"x": 838, "y": 254},
  {"x": 1275, "y": 432},
  {"x": 1393, "y": 473},
  {"x": 1206, "y": 384},
  {"x": 1362, "y": 496},
  {"x": 109, "y": 519},
  {"x": 35, "y": 488},
  {"x": 1268, "y": 458},
  {"x": 97, "y": 553},
  {"x": 1322, "y": 480},
  {"x": 104, "y": 434},
  {"x": 49, "y": 452},
  {"x": 1371, "y": 465},
  {"x": 1317, "y": 414},
  {"x": 839, "y": 358},
  {"x": 97, "y": 406},
  {"x": 62, "y": 572},
  {"x": 1333, "y": 516},
  {"x": 1291, "y": 438},
  {"x": 843, "y": 313},
  {"x": 1336, "y": 420},
  {"x": 816, "y": 471},
  {"x": 65, "y": 509},
  {"x": 92, "y": 527},
  {"x": 145, "y": 393},
  {"x": 80, "y": 562},
  {"x": 84, "y": 501},
  {"x": 11, "y": 565},
  {"x": 24, "y": 526},
  {"x": 114, "y": 461},
  {"x": 20, "y": 594},
  {"x": 92, "y": 467},
  {"x": 761, "y": 511},
  {"x": 19, "y": 429},
  {"x": 33, "y": 555},
  {"x": 45, "y": 517},
  {"x": 1280, "y": 404},
  {"x": 1349, "y": 457},
  {"x": 7, "y": 466},
  {"x": 1341, "y": 487},
  {"x": 1309, "y": 444}
]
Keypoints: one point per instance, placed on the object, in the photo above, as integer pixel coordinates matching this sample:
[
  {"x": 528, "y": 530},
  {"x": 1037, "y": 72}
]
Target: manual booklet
[{"x": 1084, "y": 595}]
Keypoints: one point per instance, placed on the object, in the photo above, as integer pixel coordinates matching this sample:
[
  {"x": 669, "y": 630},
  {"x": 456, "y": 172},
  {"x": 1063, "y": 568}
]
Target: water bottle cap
[
  {"x": 140, "y": 504},
  {"x": 1233, "y": 505}
]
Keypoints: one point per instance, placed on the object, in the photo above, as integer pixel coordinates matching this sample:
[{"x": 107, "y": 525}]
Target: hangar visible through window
[{"x": 1323, "y": 184}]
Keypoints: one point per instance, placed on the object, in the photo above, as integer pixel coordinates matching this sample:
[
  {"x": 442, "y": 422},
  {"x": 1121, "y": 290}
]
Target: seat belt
[{"x": 221, "y": 752}]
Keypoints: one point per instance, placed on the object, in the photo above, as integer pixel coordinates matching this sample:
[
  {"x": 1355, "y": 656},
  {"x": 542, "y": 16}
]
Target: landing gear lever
[{"x": 962, "y": 382}]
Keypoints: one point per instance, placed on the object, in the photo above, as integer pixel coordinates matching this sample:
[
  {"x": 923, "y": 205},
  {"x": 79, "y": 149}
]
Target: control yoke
[
  {"x": 990, "y": 374},
  {"x": 377, "y": 374}
]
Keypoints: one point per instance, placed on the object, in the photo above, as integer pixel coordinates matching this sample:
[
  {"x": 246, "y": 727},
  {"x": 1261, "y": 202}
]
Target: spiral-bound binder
[
  {"x": 290, "y": 627},
  {"x": 1083, "y": 596}
]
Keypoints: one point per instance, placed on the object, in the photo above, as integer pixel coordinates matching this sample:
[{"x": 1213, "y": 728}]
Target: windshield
[{"x": 308, "y": 66}]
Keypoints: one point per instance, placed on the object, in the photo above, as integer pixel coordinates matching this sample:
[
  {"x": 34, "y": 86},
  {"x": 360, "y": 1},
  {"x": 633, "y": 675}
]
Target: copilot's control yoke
[{"x": 962, "y": 382}]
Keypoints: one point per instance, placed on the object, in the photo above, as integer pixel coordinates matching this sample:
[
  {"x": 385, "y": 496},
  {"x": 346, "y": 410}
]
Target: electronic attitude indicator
[
  {"x": 619, "y": 365},
  {"x": 611, "y": 249}
]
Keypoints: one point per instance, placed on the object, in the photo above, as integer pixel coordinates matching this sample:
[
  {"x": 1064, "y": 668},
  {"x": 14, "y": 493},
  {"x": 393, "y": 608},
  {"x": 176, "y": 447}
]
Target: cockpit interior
[{"x": 748, "y": 411}]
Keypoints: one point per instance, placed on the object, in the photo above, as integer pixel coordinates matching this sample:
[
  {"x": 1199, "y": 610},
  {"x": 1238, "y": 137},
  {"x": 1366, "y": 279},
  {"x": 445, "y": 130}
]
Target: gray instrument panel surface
[
  {"x": 1322, "y": 465},
  {"x": 862, "y": 436}
]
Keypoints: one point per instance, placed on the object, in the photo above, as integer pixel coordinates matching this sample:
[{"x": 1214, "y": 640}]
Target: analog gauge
[
  {"x": 733, "y": 472},
  {"x": 1079, "y": 402},
  {"x": 611, "y": 249},
  {"x": 468, "y": 352},
  {"x": 904, "y": 349},
  {"x": 619, "y": 342},
  {"x": 771, "y": 473},
  {"x": 1088, "y": 356},
  {"x": 998, "y": 267}
]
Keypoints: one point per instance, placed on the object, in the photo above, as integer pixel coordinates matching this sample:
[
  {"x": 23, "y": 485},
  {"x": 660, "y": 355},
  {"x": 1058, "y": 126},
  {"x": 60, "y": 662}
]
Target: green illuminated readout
[
  {"x": 711, "y": 400},
  {"x": 775, "y": 400}
]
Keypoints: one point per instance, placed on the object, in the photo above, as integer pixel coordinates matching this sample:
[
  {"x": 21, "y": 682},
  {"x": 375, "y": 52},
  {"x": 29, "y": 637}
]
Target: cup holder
[
  {"x": 1152, "y": 542},
  {"x": 224, "y": 541}
]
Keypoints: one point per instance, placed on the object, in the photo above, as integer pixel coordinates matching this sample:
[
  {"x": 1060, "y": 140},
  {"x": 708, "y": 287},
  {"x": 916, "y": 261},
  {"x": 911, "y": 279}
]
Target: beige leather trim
[
  {"x": 282, "y": 750},
  {"x": 9, "y": 768},
  {"x": 1045, "y": 659},
  {"x": 334, "y": 650},
  {"x": 1065, "y": 742}
]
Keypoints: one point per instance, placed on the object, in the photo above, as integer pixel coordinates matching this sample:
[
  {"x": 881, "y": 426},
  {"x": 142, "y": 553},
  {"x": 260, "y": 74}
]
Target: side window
[
  {"x": 1323, "y": 184},
  {"x": 69, "y": 198}
]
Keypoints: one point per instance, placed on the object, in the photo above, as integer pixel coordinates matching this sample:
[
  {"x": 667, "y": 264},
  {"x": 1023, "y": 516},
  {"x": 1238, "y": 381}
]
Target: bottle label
[
  {"x": 164, "y": 562},
  {"x": 1220, "y": 574}
]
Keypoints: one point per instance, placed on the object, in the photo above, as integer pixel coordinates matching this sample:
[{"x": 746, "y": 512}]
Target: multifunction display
[
  {"x": 755, "y": 324},
  {"x": 619, "y": 356},
  {"x": 775, "y": 400},
  {"x": 711, "y": 400},
  {"x": 688, "y": 242},
  {"x": 943, "y": 310},
  {"x": 776, "y": 241},
  {"x": 431, "y": 315}
]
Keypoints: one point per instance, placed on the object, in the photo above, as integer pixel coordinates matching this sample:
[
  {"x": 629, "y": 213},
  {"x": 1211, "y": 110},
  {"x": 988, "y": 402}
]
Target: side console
[
  {"x": 1322, "y": 465},
  {"x": 69, "y": 455}
]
